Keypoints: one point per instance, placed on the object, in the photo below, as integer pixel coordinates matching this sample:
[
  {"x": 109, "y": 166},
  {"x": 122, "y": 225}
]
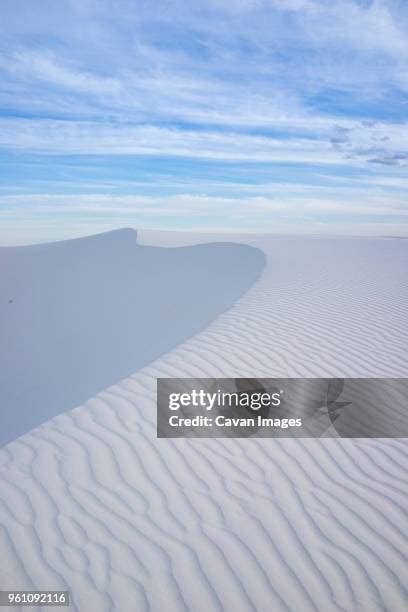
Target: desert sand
[{"x": 92, "y": 502}]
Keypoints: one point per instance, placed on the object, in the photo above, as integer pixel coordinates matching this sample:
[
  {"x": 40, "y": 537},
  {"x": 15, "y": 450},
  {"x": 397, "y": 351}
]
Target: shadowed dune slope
[{"x": 79, "y": 315}]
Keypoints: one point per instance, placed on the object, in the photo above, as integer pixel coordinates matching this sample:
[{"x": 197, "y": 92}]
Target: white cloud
[
  {"x": 31, "y": 65},
  {"x": 60, "y": 137},
  {"x": 292, "y": 205},
  {"x": 41, "y": 217},
  {"x": 310, "y": 142}
]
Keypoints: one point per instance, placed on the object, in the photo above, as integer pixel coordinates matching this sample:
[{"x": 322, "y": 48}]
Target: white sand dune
[
  {"x": 79, "y": 315},
  {"x": 92, "y": 502}
]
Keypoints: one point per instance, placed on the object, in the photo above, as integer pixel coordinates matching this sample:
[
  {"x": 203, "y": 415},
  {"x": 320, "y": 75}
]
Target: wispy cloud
[
  {"x": 47, "y": 68},
  {"x": 52, "y": 217},
  {"x": 60, "y": 137}
]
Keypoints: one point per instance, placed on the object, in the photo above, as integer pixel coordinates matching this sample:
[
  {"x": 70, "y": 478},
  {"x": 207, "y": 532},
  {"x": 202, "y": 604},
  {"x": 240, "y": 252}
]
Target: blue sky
[{"x": 282, "y": 116}]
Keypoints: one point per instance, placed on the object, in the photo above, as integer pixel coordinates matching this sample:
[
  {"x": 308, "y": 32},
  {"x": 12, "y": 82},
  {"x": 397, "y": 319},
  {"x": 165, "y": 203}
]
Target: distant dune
[{"x": 93, "y": 502}]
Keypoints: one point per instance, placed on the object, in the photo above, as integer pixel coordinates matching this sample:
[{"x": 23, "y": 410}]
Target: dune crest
[{"x": 79, "y": 315}]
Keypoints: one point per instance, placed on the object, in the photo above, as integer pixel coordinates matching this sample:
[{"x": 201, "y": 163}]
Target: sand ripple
[{"x": 92, "y": 502}]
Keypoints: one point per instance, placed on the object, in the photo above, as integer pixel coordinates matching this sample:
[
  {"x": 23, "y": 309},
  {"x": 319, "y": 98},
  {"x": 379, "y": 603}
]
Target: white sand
[{"x": 92, "y": 502}]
